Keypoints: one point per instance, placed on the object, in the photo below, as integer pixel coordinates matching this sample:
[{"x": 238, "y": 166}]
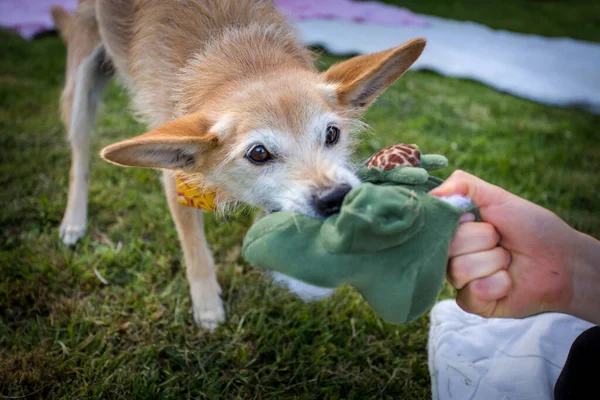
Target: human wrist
[{"x": 585, "y": 273}]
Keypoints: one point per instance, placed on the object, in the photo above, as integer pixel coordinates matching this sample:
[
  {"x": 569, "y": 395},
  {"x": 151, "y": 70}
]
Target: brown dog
[{"x": 231, "y": 97}]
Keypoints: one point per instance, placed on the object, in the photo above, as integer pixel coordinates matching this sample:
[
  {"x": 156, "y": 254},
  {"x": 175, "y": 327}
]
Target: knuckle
[
  {"x": 452, "y": 280},
  {"x": 459, "y": 173}
]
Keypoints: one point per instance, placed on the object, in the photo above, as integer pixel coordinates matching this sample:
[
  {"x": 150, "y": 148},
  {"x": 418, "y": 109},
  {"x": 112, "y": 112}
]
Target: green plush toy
[{"x": 390, "y": 239}]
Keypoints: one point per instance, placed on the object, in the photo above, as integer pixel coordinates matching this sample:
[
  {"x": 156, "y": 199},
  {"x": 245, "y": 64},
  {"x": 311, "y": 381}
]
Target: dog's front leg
[{"x": 200, "y": 267}]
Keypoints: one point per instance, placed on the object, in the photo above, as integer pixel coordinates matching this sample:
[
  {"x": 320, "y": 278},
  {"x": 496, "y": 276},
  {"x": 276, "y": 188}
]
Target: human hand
[{"x": 522, "y": 260}]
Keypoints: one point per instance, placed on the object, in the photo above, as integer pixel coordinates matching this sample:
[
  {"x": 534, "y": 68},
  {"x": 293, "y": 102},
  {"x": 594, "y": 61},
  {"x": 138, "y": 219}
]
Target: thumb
[{"x": 481, "y": 193}]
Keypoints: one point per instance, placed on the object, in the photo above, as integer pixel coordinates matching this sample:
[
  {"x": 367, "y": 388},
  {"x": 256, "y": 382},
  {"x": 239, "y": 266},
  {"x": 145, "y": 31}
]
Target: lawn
[{"x": 66, "y": 334}]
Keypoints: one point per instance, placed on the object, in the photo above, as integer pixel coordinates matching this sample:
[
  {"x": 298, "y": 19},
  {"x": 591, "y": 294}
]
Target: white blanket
[
  {"x": 556, "y": 71},
  {"x": 497, "y": 359}
]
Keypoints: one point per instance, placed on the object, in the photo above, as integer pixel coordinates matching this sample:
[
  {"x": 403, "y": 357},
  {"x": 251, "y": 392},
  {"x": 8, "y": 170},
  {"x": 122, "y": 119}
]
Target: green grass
[
  {"x": 579, "y": 19},
  {"x": 64, "y": 334}
]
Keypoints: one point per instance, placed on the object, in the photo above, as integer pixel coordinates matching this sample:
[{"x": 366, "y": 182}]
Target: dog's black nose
[{"x": 329, "y": 200}]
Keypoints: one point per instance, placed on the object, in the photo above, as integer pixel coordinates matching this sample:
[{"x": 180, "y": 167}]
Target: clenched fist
[{"x": 522, "y": 259}]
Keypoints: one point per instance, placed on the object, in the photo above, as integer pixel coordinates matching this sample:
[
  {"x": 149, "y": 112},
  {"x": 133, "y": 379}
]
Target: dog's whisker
[{"x": 296, "y": 222}]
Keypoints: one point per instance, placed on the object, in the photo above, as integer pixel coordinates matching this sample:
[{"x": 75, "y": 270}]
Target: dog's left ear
[
  {"x": 359, "y": 80},
  {"x": 176, "y": 145}
]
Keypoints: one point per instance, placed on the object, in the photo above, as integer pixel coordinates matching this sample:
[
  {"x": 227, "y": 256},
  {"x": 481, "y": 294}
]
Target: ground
[{"x": 66, "y": 334}]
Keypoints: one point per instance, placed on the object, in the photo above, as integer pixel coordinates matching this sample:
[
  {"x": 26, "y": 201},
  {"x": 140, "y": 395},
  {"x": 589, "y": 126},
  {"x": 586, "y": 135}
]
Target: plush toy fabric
[{"x": 390, "y": 239}]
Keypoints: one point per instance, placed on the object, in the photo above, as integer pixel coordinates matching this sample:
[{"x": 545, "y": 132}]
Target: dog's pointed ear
[
  {"x": 175, "y": 145},
  {"x": 359, "y": 80},
  {"x": 63, "y": 20}
]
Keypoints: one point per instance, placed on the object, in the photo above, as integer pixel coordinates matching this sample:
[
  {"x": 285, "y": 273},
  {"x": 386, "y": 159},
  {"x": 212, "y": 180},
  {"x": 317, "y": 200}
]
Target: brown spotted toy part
[{"x": 399, "y": 155}]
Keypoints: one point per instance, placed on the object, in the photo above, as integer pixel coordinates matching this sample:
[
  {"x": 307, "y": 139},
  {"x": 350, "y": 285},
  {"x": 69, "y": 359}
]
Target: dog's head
[{"x": 280, "y": 141}]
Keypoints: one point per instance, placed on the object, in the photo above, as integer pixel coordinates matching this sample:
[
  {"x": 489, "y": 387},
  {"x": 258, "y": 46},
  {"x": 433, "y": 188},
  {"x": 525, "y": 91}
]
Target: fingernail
[{"x": 467, "y": 217}]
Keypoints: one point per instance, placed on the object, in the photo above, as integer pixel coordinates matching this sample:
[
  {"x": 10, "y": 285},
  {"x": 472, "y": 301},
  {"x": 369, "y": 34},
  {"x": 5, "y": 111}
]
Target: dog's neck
[{"x": 238, "y": 56}]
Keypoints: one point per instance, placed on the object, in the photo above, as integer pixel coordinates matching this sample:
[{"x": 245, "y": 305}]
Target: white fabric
[
  {"x": 556, "y": 71},
  {"x": 303, "y": 290},
  {"x": 457, "y": 201},
  {"x": 497, "y": 359}
]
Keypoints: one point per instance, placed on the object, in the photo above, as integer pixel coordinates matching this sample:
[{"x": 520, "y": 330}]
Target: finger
[
  {"x": 482, "y": 193},
  {"x": 483, "y": 296},
  {"x": 471, "y": 237},
  {"x": 469, "y": 267}
]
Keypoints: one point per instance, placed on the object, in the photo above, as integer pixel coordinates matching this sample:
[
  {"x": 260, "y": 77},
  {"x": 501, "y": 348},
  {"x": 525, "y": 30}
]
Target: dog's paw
[
  {"x": 207, "y": 304},
  {"x": 71, "y": 231}
]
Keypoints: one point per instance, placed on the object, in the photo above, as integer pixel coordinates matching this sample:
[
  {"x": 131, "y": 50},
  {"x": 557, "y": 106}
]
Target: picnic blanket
[
  {"x": 555, "y": 71},
  {"x": 32, "y": 17}
]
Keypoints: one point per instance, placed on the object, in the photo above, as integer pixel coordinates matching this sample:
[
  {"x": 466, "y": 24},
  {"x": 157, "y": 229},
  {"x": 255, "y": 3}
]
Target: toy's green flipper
[{"x": 390, "y": 241}]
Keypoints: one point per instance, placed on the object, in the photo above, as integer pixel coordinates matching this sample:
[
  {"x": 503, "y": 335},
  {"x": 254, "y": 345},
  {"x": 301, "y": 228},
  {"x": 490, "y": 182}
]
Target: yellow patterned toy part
[{"x": 192, "y": 196}]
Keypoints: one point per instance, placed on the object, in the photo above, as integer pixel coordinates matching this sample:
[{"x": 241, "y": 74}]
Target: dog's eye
[
  {"x": 258, "y": 154},
  {"x": 333, "y": 134}
]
